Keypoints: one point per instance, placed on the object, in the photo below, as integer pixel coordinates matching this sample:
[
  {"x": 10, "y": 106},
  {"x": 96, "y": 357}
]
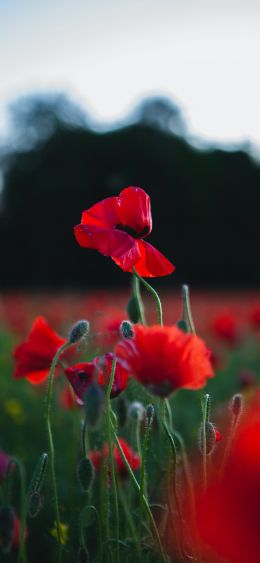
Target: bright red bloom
[
  {"x": 225, "y": 327},
  {"x": 254, "y": 316},
  {"x": 132, "y": 457},
  {"x": 35, "y": 355},
  {"x": 165, "y": 359},
  {"x": 83, "y": 374},
  {"x": 228, "y": 512},
  {"x": 15, "y": 541},
  {"x": 116, "y": 227}
]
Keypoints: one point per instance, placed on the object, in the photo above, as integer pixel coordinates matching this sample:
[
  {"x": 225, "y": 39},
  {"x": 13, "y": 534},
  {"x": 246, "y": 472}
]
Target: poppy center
[{"x": 132, "y": 232}]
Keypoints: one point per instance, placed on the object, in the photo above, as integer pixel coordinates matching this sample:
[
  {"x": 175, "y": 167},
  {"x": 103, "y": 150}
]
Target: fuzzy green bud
[
  {"x": 237, "y": 405},
  {"x": 126, "y": 329},
  {"x": 78, "y": 331},
  {"x": 133, "y": 309},
  {"x": 85, "y": 473}
]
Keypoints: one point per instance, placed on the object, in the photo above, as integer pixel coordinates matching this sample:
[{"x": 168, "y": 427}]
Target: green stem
[
  {"x": 137, "y": 294},
  {"x": 154, "y": 294},
  {"x": 84, "y": 437},
  {"x": 111, "y": 456},
  {"x": 187, "y": 308},
  {"x": 129, "y": 519},
  {"x": 205, "y": 404},
  {"x": 144, "y": 499},
  {"x": 22, "y": 554},
  {"x": 51, "y": 444},
  {"x": 81, "y": 530}
]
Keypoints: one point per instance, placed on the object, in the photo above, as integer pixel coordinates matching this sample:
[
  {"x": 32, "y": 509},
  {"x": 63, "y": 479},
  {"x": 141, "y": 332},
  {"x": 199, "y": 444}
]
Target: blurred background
[{"x": 99, "y": 95}]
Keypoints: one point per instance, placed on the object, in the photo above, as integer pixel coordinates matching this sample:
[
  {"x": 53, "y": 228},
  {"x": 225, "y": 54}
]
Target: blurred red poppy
[
  {"x": 228, "y": 512},
  {"x": 132, "y": 457},
  {"x": 116, "y": 227},
  {"x": 165, "y": 359},
  {"x": 83, "y": 374},
  {"x": 34, "y": 356},
  {"x": 224, "y": 325},
  {"x": 5, "y": 459}
]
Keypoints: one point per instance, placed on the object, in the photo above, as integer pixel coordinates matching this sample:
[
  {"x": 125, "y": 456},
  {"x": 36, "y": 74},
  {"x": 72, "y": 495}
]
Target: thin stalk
[
  {"x": 144, "y": 499},
  {"x": 187, "y": 308},
  {"x": 154, "y": 294},
  {"x": 81, "y": 530},
  {"x": 84, "y": 437},
  {"x": 111, "y": 456},
  {"x": 51, "y": 444},
  {"x": 205, "y": 404},
  {"x": 137, "y": 294},
  {"x": 129, "y": 519},
  {"x": 21, "y": 554}
]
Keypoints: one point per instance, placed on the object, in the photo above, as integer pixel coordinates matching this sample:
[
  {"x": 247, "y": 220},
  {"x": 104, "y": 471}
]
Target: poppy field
[{"x": 130, "y": 421}]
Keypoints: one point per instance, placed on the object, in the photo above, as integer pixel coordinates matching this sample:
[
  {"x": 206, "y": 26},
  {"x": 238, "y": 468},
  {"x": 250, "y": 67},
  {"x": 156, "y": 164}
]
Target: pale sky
[{"x": 107, "y": 54}]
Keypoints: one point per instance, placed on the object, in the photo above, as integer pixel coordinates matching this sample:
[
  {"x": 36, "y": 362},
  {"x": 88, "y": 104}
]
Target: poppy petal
[
  {"x": 134, "y": 210},
  {"x": 103, "y": 214},
  {"x": 37, "y": 377},
  {"x": 152, "y": 262},
  {"x": 120, "y": 246}
]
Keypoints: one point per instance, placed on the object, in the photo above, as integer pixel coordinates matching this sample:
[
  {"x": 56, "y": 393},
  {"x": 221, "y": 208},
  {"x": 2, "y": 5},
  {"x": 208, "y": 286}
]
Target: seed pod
[
  {"x": 85, "y": 474},
  {"x": 237, "y": 405},
  {"x": 210, "y": 437},
  {"x": 126, "y": 329},
  {"x": 136, "y": 411},
  {"x": 133, "y": 310},
  {"x": 35, "y": 504},
  {"x": 79, "y": 330}
]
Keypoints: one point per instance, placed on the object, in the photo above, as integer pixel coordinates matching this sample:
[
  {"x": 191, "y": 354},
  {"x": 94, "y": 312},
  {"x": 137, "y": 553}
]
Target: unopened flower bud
[
  {"x": 85, "y": 474},
  {"x": 126, "y": 329},
  {"x": 79, "y": 330},
  {"x": 210, "y": 437},
  {"x": 237, "y": 405},
  {"x": 121, "y": 411},
  {"x": 133, "y": 310},
  {"x": 136, "y": 411},
  {"x": 182, "y": 325},
  {"x": 94, "y": 402},
  {"x": 35, "y": 504}
]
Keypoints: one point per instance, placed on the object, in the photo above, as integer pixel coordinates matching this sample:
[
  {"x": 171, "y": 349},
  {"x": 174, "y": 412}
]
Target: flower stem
[
  {"x": 205, "y": 404},
  {"x": 111, "y": 456},
  {"x": 137, "y": 294},
  {"x": 155, "y": 295},
  {"x": 144, "y": 499},
  {"x": 187, "y": 315},
  {"x": 51, "y": 444},
  {"x": 81, "y": 529},
  {"x": 21, "y": 555}
]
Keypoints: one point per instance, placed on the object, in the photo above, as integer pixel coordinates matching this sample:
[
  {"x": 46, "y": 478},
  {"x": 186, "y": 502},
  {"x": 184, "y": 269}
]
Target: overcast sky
[{"x": 107, "y": 54}]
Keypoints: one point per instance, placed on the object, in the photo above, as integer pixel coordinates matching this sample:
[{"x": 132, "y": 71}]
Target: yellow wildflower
[{"x": 63, "y": 532}]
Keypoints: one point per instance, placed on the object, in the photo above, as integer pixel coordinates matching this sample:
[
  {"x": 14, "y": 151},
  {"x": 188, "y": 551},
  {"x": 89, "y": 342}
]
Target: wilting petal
[
  {"x": 102, "y": 214},
  {"x": 152, "y": 263},
  {"x": 134, "y": 210},
  {"x": 120, "y": 246}
]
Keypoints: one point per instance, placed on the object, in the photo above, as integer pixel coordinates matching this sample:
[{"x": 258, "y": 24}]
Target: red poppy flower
[
  {"x": 4, "y": 463},
  {"x": 165, "y": 359},
  {"x": 34, "y": 356},
  {"x": 228, "y": 512},
  {"x": 67, "y": 399},
  {"x": 225, "y": 327},
  {"x": 82, "y": 375},
  {"x": 116, "y": 227},
  {"x": 132, "y": 457}
]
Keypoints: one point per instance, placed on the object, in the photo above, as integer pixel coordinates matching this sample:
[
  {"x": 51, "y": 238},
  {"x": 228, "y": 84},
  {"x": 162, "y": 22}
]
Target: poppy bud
[
  {"x": 126, "y": 329},
  {"x": 133, "y": 309},
  {"x": 136, "y": 411},
  {"x": 210, "y": 437},
  {"x": 38, "y": 476},
  {"x": 94, "y": 401},
  {"x": 182, "y": 325},
  {"x": 237, "y": 404},
  {"x": 35, "y": 504},
  {"x": 79, "y": 330},
  {"x": 85, "y": 474}
]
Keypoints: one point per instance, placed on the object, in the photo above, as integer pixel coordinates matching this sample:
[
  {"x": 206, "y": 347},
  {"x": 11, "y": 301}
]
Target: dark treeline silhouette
[{"x": 205, "y": 203}]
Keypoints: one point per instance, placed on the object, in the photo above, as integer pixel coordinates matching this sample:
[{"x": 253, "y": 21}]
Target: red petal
[
  {"x": 152, "y": 263},
  {"x": 120, "y": 246},
  {"x": 38, "y": 377},
  {"x": 134, "y": 210},
  {"x": 102, "y": 214}
]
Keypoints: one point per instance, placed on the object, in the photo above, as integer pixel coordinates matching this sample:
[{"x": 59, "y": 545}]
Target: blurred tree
[{"x": 160, "y": 113}]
